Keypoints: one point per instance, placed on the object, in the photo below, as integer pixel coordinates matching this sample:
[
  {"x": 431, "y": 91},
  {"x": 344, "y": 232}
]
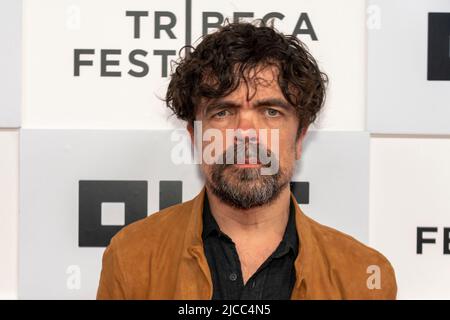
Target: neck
[{"x": 267, "y": 221}]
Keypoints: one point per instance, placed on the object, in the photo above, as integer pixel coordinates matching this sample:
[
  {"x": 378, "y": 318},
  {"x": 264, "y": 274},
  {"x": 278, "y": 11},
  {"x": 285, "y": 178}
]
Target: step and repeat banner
[
  {"x": 104, "y": 64},
  {"x": 409, "y": 117},
  {"x": 88, "y": 145},
  {"x": 70, "y": 179},
  {"x": 10, "y": 115},
  {"x": 409, "y": 67}
]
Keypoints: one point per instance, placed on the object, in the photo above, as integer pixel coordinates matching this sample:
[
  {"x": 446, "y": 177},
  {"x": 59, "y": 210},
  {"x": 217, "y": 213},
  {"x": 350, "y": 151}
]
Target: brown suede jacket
[{"x": 162, "y": 257}]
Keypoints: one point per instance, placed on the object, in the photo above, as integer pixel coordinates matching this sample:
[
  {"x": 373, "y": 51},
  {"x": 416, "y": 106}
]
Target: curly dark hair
[{"x": 226, "y": 55}]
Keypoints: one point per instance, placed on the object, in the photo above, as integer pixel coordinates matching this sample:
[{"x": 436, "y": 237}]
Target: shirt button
[{"x": 233, "y": 276}]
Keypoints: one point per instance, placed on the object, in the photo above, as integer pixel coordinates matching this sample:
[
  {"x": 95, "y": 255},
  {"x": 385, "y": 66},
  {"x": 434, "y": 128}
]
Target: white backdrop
[
  {"x": 9, "y": 206},
  {"x": 410, "y": 188},
  {"x": 408, "y": 185}
]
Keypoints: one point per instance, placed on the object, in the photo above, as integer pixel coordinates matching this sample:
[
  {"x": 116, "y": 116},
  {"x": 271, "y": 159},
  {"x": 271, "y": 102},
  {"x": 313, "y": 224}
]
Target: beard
[{"x": 246, "y": 188}]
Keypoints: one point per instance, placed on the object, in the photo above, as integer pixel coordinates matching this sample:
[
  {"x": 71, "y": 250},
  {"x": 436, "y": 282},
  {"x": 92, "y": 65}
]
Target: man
[{"x": 244, "y": 236}]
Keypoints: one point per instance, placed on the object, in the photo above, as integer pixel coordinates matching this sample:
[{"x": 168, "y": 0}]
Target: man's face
[{"x": 239, "y": 173}]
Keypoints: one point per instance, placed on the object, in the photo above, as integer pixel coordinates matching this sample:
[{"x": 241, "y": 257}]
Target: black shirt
[{"x": 274, "y": 279}]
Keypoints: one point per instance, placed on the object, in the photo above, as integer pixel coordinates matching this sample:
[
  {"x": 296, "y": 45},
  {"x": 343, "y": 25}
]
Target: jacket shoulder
[
  {"x": 359, "y": 270},
  {"x": 127, "y": 258}
]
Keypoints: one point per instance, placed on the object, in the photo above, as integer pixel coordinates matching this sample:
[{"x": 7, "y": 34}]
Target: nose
[{"x": 246, "y": 127}]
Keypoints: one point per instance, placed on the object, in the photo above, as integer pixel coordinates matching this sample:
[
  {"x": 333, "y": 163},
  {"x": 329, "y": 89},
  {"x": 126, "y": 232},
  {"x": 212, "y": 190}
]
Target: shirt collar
[
  {"x": 210, "y": 226},
  {"x": 290, "y": 239}
]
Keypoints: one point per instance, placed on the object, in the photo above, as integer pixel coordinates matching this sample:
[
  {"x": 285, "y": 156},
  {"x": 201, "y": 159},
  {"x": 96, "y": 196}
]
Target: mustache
[{"x": 246, "y": 152}]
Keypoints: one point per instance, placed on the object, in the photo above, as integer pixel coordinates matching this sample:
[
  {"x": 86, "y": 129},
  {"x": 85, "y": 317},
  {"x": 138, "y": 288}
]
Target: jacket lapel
[{"x": 194, "y": 277}]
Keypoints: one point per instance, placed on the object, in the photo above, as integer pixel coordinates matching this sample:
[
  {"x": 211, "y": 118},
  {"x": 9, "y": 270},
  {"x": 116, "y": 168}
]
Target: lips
[{"x": 252, "y": 161}]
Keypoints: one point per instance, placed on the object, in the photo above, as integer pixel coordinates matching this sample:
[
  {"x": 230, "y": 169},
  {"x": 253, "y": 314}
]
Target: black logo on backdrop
[
  {"x": 170, "y": 193},
  {"x": 427, "y": 235},
  {"x": 438, "y": 46},
  {"x": 300, "y": 190},
  {"x": 92, "y": 194},
  {"x": 91, "y": 232}
]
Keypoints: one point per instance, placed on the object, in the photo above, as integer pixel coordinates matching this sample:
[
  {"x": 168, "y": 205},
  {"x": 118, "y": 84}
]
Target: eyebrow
[
  {"x": 220, "y": 103},
  {"x": 223, "y": 103},
  {"x": 273, "y": 102}
]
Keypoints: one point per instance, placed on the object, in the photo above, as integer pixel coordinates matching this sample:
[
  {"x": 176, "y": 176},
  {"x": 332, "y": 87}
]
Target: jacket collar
[{"x": 303, "y": 263}]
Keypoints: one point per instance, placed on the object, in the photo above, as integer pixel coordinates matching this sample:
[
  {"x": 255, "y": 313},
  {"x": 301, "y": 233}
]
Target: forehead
[{"x": 256, "y": 83}]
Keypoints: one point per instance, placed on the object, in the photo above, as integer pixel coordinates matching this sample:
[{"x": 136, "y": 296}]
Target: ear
[
  {"x": 190, "y": 129},
  {"x": 299, "y": 143}
]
